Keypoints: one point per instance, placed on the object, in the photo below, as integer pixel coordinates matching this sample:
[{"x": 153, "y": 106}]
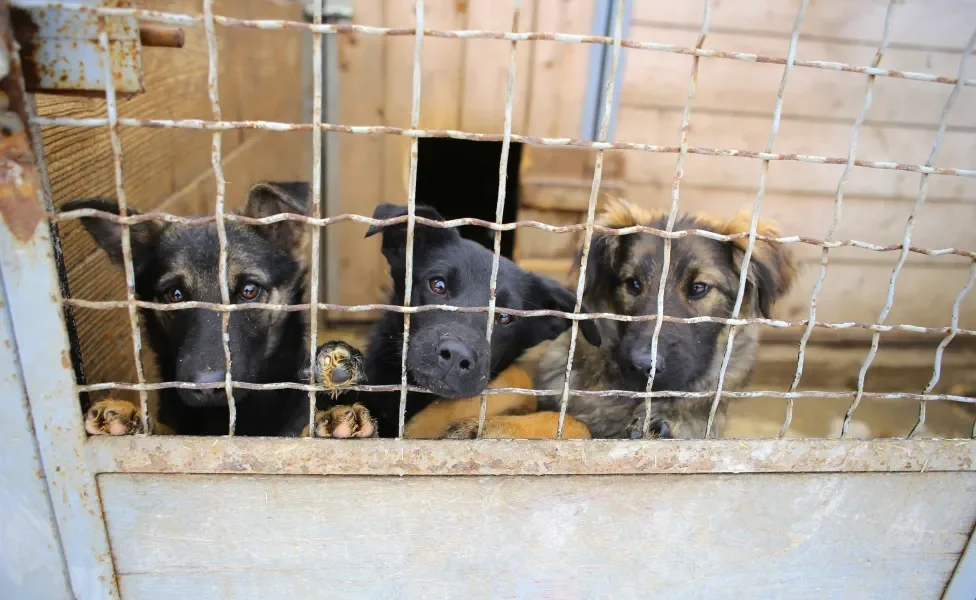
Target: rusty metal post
[{"x": 34, "y": 303}]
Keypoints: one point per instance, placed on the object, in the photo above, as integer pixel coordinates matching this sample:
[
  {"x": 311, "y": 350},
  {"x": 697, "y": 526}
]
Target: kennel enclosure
[{"x": 232, "y": 517}]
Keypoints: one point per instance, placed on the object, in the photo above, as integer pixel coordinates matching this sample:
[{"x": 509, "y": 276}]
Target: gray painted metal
[
  {"x": 962, "y": 586},
  {"x": 34, "y": 301},
  {"x": 31, "y": 564},
  {"x": 35, "y": 305},
  {"x": 64, "y": 53},
  {"x": 604, "y": 15},
  {"x": 798, "y": 536}
]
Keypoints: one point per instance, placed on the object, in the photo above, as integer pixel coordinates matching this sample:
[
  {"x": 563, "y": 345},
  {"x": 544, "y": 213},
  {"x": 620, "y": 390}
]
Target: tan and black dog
[
  {"x": 176, "y": 263},
  {"x": 623, "y": 276}
]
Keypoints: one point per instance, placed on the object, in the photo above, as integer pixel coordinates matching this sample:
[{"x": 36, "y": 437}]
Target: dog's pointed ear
[
  {"x": 772, "y": 268},
  {"x": 267, "y": 198},
  {"x": 108, "y": 234},
  {"x": 395, "y": 236},
  {"x": 547, "y": 294}
]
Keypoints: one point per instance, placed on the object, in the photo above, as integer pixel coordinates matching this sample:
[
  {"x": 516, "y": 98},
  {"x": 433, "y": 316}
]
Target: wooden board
[
  {"x": 798, "y": 536},
  {"x": 943, "y": 24},
  {"x": 559, "y": 71},
  {"x": 485, "y": 69},
  {"x": 659, "y": 79},
  {"x": 662, "y": 127},
  {"x": 362, "y": 166}
]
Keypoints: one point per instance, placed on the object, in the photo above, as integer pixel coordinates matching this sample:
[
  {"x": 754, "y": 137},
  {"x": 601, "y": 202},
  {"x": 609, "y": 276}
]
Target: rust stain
[
  {"x": 19, "y": 207},
  {"x": 65, "y": 359}
]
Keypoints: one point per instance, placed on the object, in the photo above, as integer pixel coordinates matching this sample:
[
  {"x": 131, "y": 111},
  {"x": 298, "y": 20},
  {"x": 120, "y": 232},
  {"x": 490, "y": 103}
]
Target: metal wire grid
[{"x": 210, "y": 20}]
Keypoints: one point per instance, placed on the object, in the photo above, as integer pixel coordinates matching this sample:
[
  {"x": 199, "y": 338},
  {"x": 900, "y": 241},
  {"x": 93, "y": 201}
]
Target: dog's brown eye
[
  {"x": 438, "y": 285},
  {"x": 175, "y": 294},
  {"x": 634, "y": 285},
  {"x": 698, "y": 290},
  {"x": 250, "y": 291},
  {"x": 503, "y": 318}
]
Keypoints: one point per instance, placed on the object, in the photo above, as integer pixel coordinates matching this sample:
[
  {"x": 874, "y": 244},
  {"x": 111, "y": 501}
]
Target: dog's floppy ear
[
  {"x": 108, "y": 234},
  {"x": 772, "y": 268},
  {"x": 267, "y": 198},
  {"x": 395, "y": 236},
  {"x": 546, "y": 293}
]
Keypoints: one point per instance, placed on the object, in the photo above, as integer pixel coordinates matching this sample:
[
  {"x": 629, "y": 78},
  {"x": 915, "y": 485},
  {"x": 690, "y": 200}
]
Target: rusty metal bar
[
  {"x": 500, "y": 202},
  {"x": 130, "y": 294},
  {"x": 530, "y": 36},
  {"x": 494, "y": 137},
  {"x": 313, "y": 314},
  {"x": 953, "y": 331},
  {"x": 165, "y": 454},
  {"x": 322, "y": 222},
  {"x": 750, "y": 245},
  {"x": 531, "y": 392},
  {"x": 922, "y": 192},
  {"x": 779, "y": 324},
  {"x": 411, "y": 208},
  {"x": 673, "y": 214},
  {"x": 213, "y": 69},
  {"x": 835, "y": 221},
  {"x": 591, "y": 212}
]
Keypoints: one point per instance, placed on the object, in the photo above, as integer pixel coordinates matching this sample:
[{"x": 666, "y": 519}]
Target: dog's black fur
[
  {"x": 448, "y": 351},
  {"x": 177, "y": 263}
]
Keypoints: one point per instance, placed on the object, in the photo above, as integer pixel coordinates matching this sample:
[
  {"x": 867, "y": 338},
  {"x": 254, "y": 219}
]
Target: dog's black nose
[
  {"x": 642, "y": 360},
  {"x": 340, "y": 375},
  {"x": 455, "y": 357}
]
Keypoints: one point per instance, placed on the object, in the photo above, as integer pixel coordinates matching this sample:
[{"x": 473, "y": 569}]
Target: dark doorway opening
[{"x": 460, "y": 179}]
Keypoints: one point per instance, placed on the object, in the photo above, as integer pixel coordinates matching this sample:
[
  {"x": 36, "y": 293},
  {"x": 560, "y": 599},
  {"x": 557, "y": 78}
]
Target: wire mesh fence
[{"x": 210, "y": 22}]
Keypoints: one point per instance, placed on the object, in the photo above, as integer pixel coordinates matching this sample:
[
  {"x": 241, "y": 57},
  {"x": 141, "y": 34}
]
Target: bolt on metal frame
[{"x": 217, "y": 125}]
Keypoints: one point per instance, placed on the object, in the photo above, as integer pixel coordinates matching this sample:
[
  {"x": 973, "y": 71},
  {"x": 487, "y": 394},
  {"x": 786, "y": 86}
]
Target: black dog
[
  {"x": 448, "y": 352},
  {"x": 176, "y": 263}
]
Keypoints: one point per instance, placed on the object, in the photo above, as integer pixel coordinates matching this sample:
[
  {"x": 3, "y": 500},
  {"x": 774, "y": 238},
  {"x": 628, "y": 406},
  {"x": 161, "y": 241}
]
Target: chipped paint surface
[
  {"x": 60, "y": 49},
  {"x": 172, "y": 454}
]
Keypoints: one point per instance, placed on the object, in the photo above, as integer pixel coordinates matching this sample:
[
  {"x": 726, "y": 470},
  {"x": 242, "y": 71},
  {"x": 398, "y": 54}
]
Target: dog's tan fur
[{"x": 595, "y": 368}]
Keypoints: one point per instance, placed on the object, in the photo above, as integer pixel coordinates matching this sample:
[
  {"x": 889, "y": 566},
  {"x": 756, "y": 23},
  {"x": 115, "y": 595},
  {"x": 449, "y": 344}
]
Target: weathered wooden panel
[
  {"x": 937, "y": 23},
  {"x": 559, "y": 70},
  {"x": 485, "y": 69},
  {"x": 661, "y": 79},
  {"x": 362, "y": 101},
  {"x": 715, "y": 536},
  {"x": 662, "y": 127}
]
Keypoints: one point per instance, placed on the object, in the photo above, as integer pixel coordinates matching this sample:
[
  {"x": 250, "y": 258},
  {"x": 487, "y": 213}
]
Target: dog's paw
[
  {"x": 337, "y": 366},
  {"x": 113, "y": 417},
  {"x": 344, "y": 422},
  {"x": 465, "y": 429},
  {"x": 659, "y": 429}
]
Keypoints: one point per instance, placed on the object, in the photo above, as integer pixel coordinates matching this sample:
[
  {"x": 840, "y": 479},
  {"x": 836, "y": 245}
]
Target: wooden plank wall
[
  {"x": 733, "y": 109},
  {"x": 463, "y": 87},
  {"x": 170, "y": 169}
]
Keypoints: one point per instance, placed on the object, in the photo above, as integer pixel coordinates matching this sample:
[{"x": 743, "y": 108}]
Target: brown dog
[{"x": 623, "y": 277}]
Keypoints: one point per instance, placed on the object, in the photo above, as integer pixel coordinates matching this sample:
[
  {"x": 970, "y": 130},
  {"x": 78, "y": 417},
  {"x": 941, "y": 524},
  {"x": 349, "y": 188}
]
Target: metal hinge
[{"x": 60, "y": 52}]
